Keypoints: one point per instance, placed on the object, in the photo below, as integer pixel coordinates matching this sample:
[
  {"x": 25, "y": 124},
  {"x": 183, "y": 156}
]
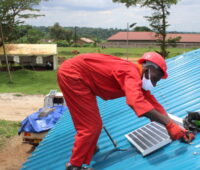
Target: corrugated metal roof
[
  {"x": 30, "y": 49},
  {"x": 151, "y": 36},
  {"x": 178, "y": 94}
]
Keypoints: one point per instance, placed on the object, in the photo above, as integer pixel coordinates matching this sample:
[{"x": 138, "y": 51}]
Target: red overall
[{"x": 86, "y": 76}]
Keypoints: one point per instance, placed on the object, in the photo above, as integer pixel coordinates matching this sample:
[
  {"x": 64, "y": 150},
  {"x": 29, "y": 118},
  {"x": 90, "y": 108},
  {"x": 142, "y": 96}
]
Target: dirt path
[
  {"x": 16, "y": 107},
  {"x": 14, "y": 154}
]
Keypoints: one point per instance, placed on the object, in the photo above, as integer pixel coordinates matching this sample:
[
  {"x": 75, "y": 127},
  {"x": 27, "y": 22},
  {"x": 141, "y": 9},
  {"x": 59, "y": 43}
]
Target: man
[{"x": 86, "y": 76}]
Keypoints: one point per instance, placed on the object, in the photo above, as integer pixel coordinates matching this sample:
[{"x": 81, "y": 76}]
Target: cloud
[
  {"x": 185, "y": 16},
  {"x": 186, "y": 2},
  {"x": 83, "y": 5},
  {"x": 116, "y": 18},
  {"x": 106, "y": 14}
]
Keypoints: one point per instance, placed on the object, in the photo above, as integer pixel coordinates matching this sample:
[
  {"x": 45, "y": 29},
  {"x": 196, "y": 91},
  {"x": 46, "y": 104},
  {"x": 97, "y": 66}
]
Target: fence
[{"x": 123, "y": 44}]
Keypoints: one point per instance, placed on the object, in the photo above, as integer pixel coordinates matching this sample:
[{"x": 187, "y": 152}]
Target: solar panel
[{"x": 149, "y": 138}]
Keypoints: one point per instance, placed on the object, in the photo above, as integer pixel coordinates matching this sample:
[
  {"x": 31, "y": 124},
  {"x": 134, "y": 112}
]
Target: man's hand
[
  {"x": 176, "y": 132},
  {"x": 188, "y": 137}
]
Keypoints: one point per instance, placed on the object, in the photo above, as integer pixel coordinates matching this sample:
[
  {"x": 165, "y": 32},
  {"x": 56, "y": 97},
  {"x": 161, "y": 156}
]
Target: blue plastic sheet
[{"x": 42, "y": 120}]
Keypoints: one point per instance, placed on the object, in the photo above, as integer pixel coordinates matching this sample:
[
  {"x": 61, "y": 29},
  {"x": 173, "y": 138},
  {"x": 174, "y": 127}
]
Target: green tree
[
  {"x": 57, "y": 32},
  {"x": 69, "y": 37},
  {"x": 173, "y": 41},
  {"x": 29, "y": 34},
  {"x": 34, "y": 35},
  {"x": 100, "y": 33},
  {"x": 22, "y": 30},
  {"x": 158, "y": 19},
  {"x": 142, "y": 29},
  {"x": 13, "y": 13}
]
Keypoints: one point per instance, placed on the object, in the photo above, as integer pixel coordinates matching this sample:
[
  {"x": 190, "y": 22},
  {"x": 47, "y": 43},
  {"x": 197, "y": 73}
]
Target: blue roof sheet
[{"x": 178, "y": 94}]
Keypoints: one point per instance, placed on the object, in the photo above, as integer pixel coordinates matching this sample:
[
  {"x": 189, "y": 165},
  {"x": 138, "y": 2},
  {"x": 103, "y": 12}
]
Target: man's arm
[
  {"x": 175, "y": 131},
  {"x": 129, "y": 80},
  {"x": 154, "y": 115},
  {"x": 149, "y": 97}
]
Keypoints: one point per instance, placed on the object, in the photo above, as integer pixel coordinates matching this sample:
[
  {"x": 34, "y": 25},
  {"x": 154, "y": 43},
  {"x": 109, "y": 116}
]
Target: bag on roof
[{"x": 192, "y": 122}]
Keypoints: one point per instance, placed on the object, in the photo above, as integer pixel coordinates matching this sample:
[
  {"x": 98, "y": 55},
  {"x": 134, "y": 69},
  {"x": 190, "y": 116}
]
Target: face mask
[{"x": 146, "y": 83}]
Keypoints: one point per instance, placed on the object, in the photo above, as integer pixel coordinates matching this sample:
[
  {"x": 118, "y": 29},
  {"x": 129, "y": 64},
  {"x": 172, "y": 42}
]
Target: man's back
[{"x": 101, "y": 73}]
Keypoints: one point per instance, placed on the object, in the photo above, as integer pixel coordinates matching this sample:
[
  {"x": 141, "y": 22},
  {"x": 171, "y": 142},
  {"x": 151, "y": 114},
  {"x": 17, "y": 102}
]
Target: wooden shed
[
  {"x": 84, "y": 40},
  {"x": 44, "y": 55}
]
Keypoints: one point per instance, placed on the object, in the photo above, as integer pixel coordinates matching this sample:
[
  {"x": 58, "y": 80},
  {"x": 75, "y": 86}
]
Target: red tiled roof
[
  {"x": 150, "y": 36},
  {"x": 186, "y": 37}
]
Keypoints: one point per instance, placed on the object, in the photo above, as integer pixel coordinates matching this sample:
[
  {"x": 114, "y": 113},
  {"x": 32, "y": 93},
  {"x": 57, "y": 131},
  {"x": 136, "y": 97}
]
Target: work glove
[{"x": 176, "y": 132}]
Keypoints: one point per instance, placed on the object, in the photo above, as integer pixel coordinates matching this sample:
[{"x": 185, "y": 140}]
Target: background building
[
  {"x": 31, "y": 55},
  {"x": 148, "y": 39}
]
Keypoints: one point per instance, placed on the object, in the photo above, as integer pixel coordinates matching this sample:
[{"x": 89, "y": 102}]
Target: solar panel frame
[{"x": 149, "y": 138}]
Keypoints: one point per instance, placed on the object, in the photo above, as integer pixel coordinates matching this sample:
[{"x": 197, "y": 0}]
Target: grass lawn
[
  {"x": 28, "y": 82},
  {"x": 66, "y": 52},
  {"x": 8, "y": 129},
  {"x": 41, "y": 82}
]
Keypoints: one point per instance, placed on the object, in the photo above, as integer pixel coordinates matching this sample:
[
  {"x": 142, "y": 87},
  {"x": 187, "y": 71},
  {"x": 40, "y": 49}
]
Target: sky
[{"x": 185, "y": 16}]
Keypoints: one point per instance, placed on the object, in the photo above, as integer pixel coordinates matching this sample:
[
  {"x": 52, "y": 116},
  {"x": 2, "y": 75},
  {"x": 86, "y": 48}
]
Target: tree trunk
[
  {"x": 6, "y": 57},
  {"x": 163, "y": 44}
]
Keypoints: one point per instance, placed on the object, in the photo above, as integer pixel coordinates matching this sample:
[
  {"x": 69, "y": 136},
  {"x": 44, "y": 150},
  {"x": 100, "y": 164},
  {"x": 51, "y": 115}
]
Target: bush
[
  {"x": 87, "y": 45},
  {"x": 75, "y": 45},
  {"x": 62, "y": 43}
]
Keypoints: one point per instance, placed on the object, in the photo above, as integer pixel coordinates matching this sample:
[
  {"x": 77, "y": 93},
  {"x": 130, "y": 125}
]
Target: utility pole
[
  {"x": 75, "y": 36},
  {"x": 127, "y": 37},
  {"x": 127, "y": 30},
  {"x": 5, "y": 54}
]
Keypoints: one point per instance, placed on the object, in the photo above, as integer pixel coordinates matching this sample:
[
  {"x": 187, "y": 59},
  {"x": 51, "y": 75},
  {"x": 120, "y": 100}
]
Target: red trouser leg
[{"x": 83, "y": 108}]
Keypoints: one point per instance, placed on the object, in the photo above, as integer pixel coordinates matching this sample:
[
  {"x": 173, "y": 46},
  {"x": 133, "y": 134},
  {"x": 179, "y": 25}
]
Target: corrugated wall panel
[{"x": 178, "y": 94}]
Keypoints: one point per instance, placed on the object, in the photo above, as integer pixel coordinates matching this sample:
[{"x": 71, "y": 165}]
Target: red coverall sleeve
[
  {"x": 148, "y": 96},
  {"x": 129, "y": 80}
]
